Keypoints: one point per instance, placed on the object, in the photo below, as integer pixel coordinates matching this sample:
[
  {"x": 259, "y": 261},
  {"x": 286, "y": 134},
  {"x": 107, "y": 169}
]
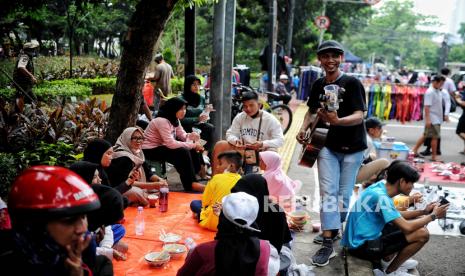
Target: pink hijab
[{"x": 279, "y": 184}]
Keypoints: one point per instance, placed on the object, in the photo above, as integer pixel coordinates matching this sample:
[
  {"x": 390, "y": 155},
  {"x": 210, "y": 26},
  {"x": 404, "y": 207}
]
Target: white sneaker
[
  {"x": 399, "y": 272},
  {"x": 408, "y": 264}
]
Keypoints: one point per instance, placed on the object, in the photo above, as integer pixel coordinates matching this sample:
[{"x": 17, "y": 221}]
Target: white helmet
[{"x": 283, "y": 77}]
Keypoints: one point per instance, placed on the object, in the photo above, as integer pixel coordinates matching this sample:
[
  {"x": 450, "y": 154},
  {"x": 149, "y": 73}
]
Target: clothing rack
[
  {"x": 308, "y": 75},
  {"x": 388, "y": 101}
]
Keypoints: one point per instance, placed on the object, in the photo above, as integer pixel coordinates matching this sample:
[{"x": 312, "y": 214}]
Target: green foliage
[
  {"x": 462, "y": 31},
  {"x": 56, "y": 154},
  {"x": 177, "y": 85},
  {"x": 73, "y": 124},
  {"x": 393, "y": 32},
  {"x": 8, "y": 172},
  {"x": 57, "y": 68},
  {"x": 7, "y": 93},
  {"x": 457, "y": 53},
  {"x": 51, "y": 91},
  {"x": 80, "y": 88}
]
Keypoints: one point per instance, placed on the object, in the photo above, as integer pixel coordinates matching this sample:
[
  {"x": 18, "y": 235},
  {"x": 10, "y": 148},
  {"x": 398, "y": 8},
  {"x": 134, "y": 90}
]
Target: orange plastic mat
[{"x": 177, "y": 220}]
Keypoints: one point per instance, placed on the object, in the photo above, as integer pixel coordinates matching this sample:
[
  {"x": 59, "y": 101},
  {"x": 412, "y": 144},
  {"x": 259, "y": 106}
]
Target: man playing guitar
[{"x": 342, "y": 154}]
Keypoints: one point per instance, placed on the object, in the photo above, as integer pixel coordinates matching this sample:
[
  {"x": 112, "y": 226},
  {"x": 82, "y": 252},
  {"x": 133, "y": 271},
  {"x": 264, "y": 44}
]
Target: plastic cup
[{"x": 332, "y": 93}]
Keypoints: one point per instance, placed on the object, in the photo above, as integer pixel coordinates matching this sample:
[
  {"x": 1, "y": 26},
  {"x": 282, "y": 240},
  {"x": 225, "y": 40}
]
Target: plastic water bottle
[
  {"x": 163, "y": 200},
  {"x": 140, "y": 222},
  {"x": 190, "y": 243}
]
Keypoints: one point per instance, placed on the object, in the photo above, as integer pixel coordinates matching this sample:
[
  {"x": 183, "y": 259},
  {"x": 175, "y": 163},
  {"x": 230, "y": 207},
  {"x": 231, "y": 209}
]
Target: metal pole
[
  {"x": 189, "y": 41},
  {"x": 230, "y": 22},
  {"x": 216, "y": 94},
  {"x": 290, "y": 27},
  {"x": 322, "y": 31},
  {"x": 273, "y": 36}
]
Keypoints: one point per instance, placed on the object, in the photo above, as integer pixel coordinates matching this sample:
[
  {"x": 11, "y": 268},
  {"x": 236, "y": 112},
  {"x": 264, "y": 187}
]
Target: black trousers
[
  {"x": 207, "y": 134},
  {"x": 187, "y": 162}
]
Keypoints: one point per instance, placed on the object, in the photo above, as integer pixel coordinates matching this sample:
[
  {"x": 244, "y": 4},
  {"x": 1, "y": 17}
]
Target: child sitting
[
  {"x": 208, "y": 209},
  {"x": 281, "y": 188}
]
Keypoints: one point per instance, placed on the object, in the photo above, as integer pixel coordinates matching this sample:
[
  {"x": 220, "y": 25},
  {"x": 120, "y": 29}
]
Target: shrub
[
  {"x": 56, "y": 154},
  {"x": 177, "y": 85},
  {"x": 7, "y": 93},
  {"x": 99, "y": 85},
  {"x": 8, "y": 172},
  {"x": 64, "y": 90}
]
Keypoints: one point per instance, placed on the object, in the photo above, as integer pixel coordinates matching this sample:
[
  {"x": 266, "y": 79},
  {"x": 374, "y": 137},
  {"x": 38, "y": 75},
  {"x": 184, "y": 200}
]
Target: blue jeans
[{"x": 336, "y": 173}]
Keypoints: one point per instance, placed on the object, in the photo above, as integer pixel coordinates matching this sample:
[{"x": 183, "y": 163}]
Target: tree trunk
[
  {"x": 105, "y": 51},
  {"x": 145, "y": 27},
  {"x": 77, "y": 46}
]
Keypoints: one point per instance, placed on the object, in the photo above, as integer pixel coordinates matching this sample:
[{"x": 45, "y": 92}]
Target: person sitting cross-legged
[
  {"x": 376, "y": 230},
  {"x": 208, "y": 209}
]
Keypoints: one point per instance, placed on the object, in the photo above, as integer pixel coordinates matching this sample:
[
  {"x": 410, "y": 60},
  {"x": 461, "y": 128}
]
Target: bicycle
[{"x": 272, "y": 105}]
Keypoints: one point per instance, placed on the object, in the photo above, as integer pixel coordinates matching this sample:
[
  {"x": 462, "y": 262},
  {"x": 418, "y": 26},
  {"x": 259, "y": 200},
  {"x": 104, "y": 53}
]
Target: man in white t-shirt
[
  {"x": 246, "y": 126},
  {"x": 434, "y": 115}
]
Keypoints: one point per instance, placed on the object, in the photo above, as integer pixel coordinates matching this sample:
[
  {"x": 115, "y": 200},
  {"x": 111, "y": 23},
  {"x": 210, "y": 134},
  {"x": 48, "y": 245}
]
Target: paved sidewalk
[{"x": 303, "y": 246}]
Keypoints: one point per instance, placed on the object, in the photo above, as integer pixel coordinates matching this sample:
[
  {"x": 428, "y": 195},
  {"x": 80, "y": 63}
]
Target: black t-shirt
[{"x": 344, "y": 139}]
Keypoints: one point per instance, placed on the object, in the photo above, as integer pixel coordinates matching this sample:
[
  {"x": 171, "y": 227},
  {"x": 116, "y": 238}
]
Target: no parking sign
[{"x": 322, "y": 22}]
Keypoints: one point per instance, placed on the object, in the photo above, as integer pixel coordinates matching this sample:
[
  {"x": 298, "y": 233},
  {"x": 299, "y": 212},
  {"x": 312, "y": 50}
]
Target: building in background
[{"x": 457, "y": 17}]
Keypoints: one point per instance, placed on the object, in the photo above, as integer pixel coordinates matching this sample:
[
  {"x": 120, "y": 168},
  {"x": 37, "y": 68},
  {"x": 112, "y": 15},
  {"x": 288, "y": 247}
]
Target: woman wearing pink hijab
[{"x": 280, "y": 186}]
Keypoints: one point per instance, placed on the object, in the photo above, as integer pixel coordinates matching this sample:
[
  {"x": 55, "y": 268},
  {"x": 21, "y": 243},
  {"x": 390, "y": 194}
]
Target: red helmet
[{"x": 48, "y": 192}]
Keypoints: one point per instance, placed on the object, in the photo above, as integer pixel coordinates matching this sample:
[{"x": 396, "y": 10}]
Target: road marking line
[{"x": 290, "y": 141}]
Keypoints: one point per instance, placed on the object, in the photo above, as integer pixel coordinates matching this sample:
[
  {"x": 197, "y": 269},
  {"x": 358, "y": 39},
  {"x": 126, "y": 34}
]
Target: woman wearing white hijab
[{"x": 128, "y": 156}]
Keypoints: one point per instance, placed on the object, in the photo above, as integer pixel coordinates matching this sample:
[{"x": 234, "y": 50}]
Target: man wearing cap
[
  {"x": 23, "y": 74},
  {"x": 340, "y": 159},
  {"x": 281, "y": 89},
  {"x": 372, "y": 165}
]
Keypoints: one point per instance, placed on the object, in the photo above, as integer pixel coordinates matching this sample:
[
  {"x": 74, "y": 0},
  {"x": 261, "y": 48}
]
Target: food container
[
  {"x": 153, "y": 198},
  {"x": 157, "y": 259},
  {"x": 176, "y": 250},
  {"x": 170, "y": 238}
]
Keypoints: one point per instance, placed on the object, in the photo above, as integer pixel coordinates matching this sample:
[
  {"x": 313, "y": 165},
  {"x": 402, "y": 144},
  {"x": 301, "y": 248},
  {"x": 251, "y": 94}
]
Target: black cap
[
  {"x": 373, "y": 122},
  {"x": 330, "y": 45}
]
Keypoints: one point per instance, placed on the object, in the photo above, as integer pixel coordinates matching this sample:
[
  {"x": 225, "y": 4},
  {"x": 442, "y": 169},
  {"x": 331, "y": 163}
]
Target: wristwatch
[{"x": 433, "y": 217}]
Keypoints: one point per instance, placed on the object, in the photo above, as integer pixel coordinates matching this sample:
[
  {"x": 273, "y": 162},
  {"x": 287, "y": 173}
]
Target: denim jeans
[{"x": 336, "y": 173}]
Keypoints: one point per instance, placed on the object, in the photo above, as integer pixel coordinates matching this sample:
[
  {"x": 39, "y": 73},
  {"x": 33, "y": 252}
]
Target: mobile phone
[{"x": 443, "y": 201}]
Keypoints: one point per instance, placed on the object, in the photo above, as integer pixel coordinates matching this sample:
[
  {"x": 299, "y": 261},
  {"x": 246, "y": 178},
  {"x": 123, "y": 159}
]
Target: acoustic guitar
[{"x": 315, "y": 141}]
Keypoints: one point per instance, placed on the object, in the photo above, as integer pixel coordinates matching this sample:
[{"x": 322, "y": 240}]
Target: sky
[{"x": 443, "y": 9}]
